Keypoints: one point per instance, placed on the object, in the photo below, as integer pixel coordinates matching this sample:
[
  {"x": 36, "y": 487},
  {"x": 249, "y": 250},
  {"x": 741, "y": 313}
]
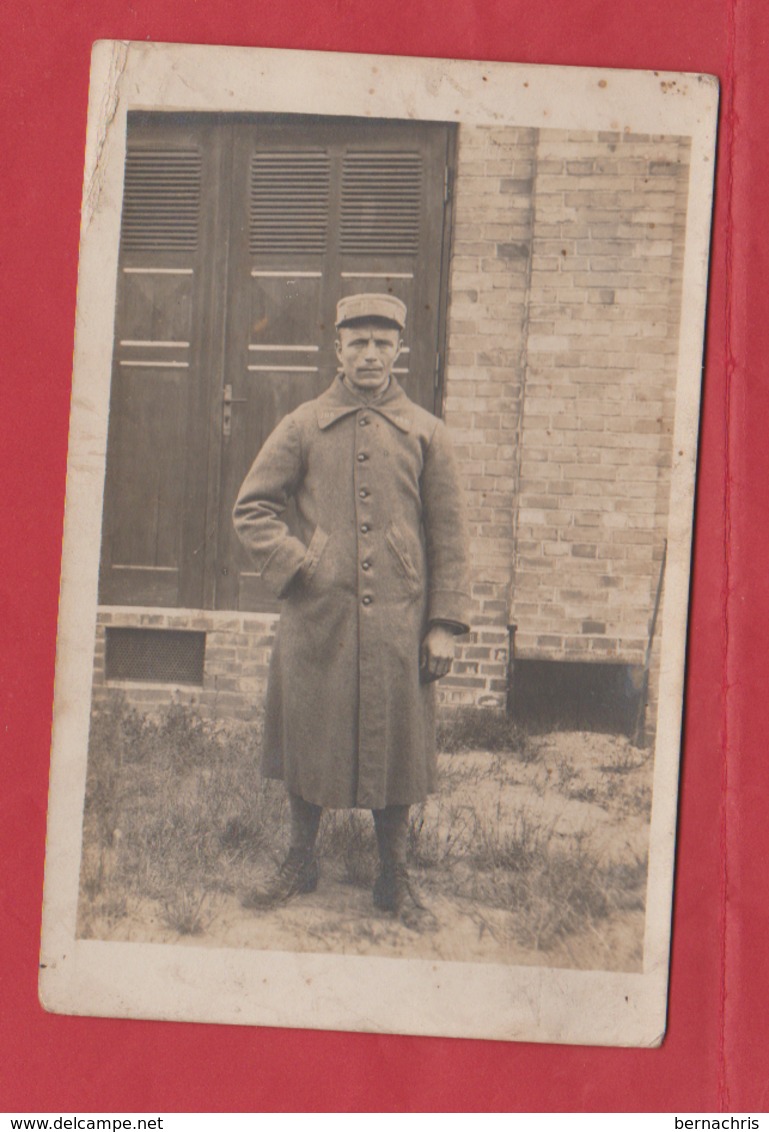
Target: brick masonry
[
  {"x": 600, "y": 367},
  {"x": 238, "y": 647},
  {"x": 560, "y": 387},
  {"x": 489, "y": 284}
]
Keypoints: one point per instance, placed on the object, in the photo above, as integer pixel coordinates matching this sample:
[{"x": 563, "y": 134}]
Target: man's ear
[{"x": 338, "y": 348}]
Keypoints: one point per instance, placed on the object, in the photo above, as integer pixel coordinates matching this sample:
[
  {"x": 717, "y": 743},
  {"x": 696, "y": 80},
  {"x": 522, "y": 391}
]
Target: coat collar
[{"x": 338, "y": 401}]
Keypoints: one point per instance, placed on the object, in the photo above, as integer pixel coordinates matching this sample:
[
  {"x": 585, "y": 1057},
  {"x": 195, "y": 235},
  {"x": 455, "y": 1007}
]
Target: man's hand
[{"x": 437, "y": 653}]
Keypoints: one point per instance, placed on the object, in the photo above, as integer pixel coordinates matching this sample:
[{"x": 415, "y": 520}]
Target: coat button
[
  {"x": 365, "y": 528},
  {"x": 367, "y": 600},
  {"x": 363, "y": 422},
  {"x": 365, "y": 565},
  {"x": 361, "y": 457},
  {"x": 363, "y": 493}
]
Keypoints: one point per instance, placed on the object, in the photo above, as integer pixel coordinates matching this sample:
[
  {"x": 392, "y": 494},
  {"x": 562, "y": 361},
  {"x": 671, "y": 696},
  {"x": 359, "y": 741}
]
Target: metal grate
[
  {"x": 161, "y": 200},
  {"x": 381, "y": 202},
  {"x": 288, "y": 208},
  {"x": 162, "y": 656}
]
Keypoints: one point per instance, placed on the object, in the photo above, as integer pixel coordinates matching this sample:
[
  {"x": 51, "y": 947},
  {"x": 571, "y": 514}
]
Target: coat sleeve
[
  {"x": 258, "y": 515},
  {"x": 446, "y": 537}
]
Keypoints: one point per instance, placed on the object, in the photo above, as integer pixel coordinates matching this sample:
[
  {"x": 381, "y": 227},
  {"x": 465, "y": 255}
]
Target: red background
[{"x": 716, "y": 1051}]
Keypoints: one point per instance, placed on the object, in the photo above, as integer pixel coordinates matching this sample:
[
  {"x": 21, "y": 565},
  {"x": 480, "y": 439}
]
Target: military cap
[{"x": 354, "y": 307}]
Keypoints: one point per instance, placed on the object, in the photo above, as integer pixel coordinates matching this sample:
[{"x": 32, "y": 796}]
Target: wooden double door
[{"x": 239, "y": 234}]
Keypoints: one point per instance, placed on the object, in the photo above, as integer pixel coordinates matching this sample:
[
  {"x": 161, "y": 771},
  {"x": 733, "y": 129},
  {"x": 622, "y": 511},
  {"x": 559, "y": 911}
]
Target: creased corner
[{"x": 94, "y": 172}]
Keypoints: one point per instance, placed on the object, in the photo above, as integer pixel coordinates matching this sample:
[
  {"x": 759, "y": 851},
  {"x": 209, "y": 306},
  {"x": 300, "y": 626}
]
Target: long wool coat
[{"x": 379, "y": 552}]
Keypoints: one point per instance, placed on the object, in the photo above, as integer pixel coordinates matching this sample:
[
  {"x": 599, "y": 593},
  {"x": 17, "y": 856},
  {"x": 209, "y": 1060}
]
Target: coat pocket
[
  {"x": 314, "y": 552},
  {"x": 403, "y": 561}
]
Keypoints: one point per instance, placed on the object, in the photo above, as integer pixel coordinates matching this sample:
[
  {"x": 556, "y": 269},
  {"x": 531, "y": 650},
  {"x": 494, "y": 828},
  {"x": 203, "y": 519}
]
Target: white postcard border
[{"x": 184, "y": 982}]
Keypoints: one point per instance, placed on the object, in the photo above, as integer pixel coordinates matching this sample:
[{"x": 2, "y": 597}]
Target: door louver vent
[
  {"x": 381, "y": 198},
  {"x": 289, "y": 203},
  {"x": 161, "y": 201}
]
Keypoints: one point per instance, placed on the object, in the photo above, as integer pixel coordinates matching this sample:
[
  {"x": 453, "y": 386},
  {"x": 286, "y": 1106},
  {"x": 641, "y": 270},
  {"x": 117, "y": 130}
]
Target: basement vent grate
[
  {"x": 572, "y": 695},
  {"x": 162, "y": 656}
]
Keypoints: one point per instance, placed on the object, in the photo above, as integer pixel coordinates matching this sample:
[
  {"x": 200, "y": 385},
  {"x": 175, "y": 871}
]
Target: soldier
[{"x": 374, "y": 587}]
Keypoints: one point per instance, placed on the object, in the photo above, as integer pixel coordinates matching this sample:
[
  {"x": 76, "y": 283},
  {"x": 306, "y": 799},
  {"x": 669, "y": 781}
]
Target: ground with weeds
[{"x": 533, "y": 852}]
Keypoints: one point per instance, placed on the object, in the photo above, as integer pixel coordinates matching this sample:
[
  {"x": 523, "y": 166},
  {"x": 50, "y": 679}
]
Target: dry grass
[
  {"x": 175, "y": 811},
  {"x": 484, "y": 729},
  {"x": 178, "y": 815}
]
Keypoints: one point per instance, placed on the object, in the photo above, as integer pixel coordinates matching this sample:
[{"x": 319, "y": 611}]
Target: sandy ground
[
  {"x": 340, "y": 918},
  {"x": 583, "y": 791}
]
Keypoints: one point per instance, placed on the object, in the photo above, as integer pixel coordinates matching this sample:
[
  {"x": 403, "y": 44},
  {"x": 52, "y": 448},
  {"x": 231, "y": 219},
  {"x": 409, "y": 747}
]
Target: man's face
[{"x": 367, "y": 353}]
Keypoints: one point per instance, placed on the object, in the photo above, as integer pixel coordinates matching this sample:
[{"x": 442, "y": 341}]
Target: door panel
[
  {"x": 335, "y": 207},
  {"x": 392, "y": 231},
  {"x": 159, "y": 368},
  {"x": 239, "y": 236}
]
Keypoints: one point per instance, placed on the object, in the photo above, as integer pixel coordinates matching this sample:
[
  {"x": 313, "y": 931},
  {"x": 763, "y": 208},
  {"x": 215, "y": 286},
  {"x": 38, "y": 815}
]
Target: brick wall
[
  {"x": 238, "y": 647},
  {"x": 562, "y": 341},
  {"x": 601, "y": 350},
  {"x": 489, "y": 281}
]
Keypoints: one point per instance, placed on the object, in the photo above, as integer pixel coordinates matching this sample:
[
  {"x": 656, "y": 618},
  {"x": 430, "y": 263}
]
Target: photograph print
[{"x": 391, "y": 501}]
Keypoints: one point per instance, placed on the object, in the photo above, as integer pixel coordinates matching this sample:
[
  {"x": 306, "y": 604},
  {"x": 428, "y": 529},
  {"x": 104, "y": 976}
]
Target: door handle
[{"x": 228, "y": 401}]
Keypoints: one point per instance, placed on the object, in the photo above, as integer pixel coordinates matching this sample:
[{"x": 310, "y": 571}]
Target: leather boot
[
  {"x": 296, "y": 876},
  {"x": 395, "y": 891}
]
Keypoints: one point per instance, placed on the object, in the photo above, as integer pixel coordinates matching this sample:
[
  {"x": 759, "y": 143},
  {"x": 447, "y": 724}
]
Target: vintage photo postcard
[{"x": 374, "y": 593}]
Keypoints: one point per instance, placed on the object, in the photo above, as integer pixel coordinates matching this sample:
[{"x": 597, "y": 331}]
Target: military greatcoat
[{"x": 378, "y": 552}]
